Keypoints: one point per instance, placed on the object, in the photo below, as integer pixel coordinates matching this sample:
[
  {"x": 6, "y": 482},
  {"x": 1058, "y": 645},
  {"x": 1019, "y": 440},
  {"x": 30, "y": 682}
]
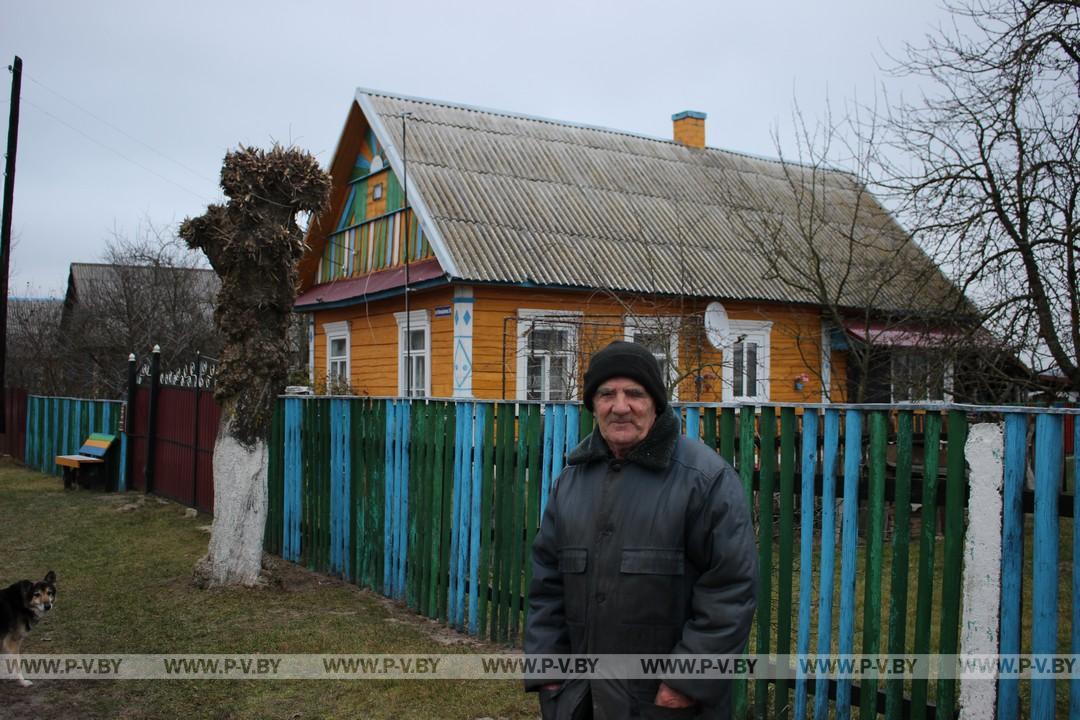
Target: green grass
[{"x": 124, "y": 580}]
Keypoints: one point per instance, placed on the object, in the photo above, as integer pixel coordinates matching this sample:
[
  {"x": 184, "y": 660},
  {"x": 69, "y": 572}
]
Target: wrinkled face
[
  {"x": 625, "y": 413},
  {"x": 42, "y": 595}
]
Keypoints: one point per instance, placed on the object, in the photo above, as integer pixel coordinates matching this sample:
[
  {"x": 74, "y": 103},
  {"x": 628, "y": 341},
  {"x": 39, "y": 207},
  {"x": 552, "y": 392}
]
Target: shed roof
[{"x": 509, "y": 198}]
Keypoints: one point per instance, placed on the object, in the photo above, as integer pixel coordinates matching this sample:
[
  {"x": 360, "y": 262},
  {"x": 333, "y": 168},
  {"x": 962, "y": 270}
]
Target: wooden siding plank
[
  {"x": 727, "y": 434},
  {"x": 871, "y": 640},
  {"x": 550, "y": 412},
  {"x": 927, "y": 539},
  {"x": 1012, "y": 557},
  {"x": 787, "y": 521},
  {"x": 445, "y": 490},
  {"x": 475, "y": 516},
  {"x": 739, "y": 690},
  {"x": 484, "y": 587},
  {"x": 827, "y": 560},
  {"x": 503, "y": 490},
  {"x": 459, "y": 525},
  {"x": 1049, "y": 437},
  {"x": 767, "y": 434},
  {"x": 532, "y": 503},
  {"x": 848, "y": 553},
  {"x": 525, "y": 419},
  {"x": 391, "y": 503},
  {"x": 709, "y": 421},
  {"x": 954, "y": 547},
  {"x": 898, "y": 586},
  {"x": 808, "y": 458},
  {"x": 693, "y": 423}
]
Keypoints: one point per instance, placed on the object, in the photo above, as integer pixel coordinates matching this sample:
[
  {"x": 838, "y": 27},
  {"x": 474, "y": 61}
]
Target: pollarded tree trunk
[{"x": 253, "y": 243}]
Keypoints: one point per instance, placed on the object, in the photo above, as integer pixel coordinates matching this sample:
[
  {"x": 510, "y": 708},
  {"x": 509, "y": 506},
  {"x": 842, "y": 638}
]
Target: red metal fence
[
  {"x": 13, "y": 439},
  {"x": 187, "y": 420}
]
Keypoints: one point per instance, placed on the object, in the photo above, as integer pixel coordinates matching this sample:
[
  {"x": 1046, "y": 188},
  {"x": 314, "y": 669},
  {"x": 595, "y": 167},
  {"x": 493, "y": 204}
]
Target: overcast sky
[{"x": 129, "y": 107}]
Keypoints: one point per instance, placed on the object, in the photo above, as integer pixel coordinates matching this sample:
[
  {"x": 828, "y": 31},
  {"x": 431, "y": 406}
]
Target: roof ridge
[{"x": 581, "y": 125}]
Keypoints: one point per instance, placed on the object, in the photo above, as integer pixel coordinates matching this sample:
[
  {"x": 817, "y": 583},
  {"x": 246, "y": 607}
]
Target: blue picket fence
[{"x": 58, "y": 426}]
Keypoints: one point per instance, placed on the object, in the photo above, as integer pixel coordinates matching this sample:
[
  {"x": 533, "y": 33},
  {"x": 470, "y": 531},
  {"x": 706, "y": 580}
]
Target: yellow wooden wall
[
  {"x": 373, "y": 360},
  {"x": 794, "y": 342}
]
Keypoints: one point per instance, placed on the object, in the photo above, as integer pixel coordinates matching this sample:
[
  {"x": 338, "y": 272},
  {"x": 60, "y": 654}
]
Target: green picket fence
[{"x": 435, "y": 503}]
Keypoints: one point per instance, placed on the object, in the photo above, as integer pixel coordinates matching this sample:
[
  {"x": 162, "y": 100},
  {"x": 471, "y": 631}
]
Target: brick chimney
[{"x": 689, "y": 128}]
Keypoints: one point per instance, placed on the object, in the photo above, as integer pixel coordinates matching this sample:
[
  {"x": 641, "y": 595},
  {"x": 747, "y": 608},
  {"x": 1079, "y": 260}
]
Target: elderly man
[{"x": 646, "y": 547}]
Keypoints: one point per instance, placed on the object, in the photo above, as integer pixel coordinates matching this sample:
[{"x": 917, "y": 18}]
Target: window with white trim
[
  {"x": 660, "y": 335},
  {"x": 919, "y": 375},
  {"x": 337, "y": 354},
  {"x": 547, "y": 355},
  {"x": 746, "y": 361},
  {"x": 414, "y": 353}
]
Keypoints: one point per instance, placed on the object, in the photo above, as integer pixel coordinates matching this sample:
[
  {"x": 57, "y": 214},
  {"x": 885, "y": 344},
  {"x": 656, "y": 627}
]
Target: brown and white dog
[{"x": 22, "y": 605}]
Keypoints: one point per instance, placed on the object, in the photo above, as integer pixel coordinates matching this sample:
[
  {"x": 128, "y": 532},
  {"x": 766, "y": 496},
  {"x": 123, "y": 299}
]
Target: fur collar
[{"x": 653, "y": 453}]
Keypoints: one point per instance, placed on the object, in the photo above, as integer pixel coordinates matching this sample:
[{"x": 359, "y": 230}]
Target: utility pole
[
  {"x": 405, "y": 242},
  {"x": 5, "y": 227}
]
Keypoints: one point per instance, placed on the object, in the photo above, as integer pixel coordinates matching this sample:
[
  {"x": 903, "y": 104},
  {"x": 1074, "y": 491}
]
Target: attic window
[{"x": 377, "y": 192}]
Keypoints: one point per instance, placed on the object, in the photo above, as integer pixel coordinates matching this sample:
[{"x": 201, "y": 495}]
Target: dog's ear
[
  {"x": 50, "y": 577},
  {"x": 26, "y": 590}
]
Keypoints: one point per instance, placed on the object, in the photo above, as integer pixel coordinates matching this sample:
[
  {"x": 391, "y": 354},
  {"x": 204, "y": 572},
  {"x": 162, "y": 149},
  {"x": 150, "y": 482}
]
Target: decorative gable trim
[{"x": 416, "y": 200}]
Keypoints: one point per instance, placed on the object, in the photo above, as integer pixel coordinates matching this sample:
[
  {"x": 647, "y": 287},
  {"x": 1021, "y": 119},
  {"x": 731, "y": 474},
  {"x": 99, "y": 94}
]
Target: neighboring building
[
  {"x": 110, "y": 311},
  {"x": 533, "y": 242}
]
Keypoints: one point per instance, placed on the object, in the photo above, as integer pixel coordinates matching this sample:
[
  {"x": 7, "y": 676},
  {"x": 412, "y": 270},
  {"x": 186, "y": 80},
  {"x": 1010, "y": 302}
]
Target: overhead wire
[
  {"x": 118, "y": 129},
  {"x": 114, "y": 150}
]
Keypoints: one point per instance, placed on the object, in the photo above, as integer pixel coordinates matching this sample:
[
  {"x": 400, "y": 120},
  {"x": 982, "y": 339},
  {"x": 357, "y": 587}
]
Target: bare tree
[
  {"x": 253, "y": 244},
  {"x": 994, "y": 188},
  {"x": 825, "y": 237},
  {"x": 34, "y": 352},
  {"x": 151, "y": 290}
]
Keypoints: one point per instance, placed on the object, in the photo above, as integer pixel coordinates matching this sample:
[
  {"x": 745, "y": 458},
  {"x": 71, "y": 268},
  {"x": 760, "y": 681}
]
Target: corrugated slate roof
[
  {"x": 87, "y": 276},
  {"x": 517, "y": 199}
]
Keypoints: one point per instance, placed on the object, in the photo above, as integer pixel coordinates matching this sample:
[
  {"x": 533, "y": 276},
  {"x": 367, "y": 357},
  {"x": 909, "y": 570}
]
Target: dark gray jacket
[{"x": 654, "y": 554}]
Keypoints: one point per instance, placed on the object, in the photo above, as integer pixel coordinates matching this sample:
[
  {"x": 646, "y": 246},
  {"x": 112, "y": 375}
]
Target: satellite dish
[{"x": 717, "y": 327}]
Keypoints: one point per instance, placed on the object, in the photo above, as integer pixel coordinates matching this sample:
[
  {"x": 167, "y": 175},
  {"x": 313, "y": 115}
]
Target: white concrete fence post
[{"x": 984, "y": 452}]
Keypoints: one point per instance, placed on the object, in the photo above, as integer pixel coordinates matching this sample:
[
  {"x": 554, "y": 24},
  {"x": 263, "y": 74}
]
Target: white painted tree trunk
[{"x": 236, "y": 537}]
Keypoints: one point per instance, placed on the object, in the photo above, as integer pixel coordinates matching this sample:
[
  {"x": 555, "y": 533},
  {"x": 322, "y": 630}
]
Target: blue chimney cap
[{"x": 688, "y": 114}]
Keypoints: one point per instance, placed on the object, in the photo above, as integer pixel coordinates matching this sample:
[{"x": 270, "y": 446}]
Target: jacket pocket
[
  {"x": 653, "y": 561},
  {"x": 573, "y": 561},
  {"x": 650, "y": 586}
]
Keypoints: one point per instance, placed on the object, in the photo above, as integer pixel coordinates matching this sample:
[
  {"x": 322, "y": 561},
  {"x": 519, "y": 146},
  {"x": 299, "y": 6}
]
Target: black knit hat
[{"x": 629, "y": 360}]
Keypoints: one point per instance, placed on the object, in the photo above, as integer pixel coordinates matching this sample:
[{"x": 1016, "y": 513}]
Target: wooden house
[{"x": 527, "y": 243}]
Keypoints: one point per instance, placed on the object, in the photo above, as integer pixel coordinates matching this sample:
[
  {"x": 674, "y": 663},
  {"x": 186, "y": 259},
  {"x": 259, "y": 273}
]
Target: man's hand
[
  {"x": 551, "y": 686},
  {"x": 666, "y": 697}
]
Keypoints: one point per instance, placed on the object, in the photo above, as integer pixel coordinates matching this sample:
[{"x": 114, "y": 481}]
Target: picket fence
[
  {"x": 59, "y": 426},
  {"x": 435, "y": 503}
]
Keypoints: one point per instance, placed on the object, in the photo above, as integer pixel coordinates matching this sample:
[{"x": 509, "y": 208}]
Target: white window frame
[
  {"x": 760, "y": 332},
  {"x": 417, "y": 320},
  {"x": 632, "y": 323},
  {"x": 532, "y": 318},
  {"x": 338, "y": 331}
]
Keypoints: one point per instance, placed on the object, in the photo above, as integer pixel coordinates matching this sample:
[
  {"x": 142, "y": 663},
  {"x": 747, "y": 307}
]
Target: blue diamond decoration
[{"x": 467, "y": 317}]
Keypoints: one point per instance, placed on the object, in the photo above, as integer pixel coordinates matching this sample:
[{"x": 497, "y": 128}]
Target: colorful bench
[{"x": 90, "y": 466}]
